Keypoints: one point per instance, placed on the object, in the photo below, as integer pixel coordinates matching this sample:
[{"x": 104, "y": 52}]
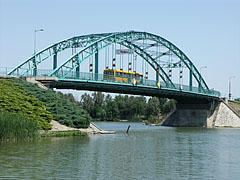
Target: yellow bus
[{"x": 123, "y": 76}]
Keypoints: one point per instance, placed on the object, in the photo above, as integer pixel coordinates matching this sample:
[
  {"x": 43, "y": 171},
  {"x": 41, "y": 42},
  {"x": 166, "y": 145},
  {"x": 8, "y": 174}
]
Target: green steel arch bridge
[{"x": 152, "y": 65}]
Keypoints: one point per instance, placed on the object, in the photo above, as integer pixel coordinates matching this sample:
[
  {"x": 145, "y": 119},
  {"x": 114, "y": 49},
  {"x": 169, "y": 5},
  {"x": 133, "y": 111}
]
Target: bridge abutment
[{"x": 203, "y": 114}]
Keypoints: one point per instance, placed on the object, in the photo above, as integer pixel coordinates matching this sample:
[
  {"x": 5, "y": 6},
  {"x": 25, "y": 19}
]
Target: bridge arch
[
  {"x": 68, "y": 66},
  {"x": 96, "y": 42}
]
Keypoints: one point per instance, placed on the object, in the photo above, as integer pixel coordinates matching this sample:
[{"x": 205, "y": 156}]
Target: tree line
[{"x": 124, "y": 107}]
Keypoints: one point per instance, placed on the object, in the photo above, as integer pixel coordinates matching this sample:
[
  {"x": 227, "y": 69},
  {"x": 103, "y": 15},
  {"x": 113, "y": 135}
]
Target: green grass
[
  {"x": 15, "y": 99},
  {"x": 63, "y": 133},
  {"x": 15, "y": 126}
]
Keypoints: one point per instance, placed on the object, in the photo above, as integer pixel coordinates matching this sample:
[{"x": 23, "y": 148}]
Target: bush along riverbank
[
  {"x": 25, "y": 109},
  {"x": 64, "y": 110},
  {"x": 14, "y": 99}
]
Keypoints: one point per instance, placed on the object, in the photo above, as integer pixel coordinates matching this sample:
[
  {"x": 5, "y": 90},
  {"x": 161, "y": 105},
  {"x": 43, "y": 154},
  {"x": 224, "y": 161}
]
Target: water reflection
[{"x": 145, "y": 153}]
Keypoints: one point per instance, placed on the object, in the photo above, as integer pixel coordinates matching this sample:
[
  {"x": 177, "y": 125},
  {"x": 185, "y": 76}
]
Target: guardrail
[{"x": 110, "y": 78}]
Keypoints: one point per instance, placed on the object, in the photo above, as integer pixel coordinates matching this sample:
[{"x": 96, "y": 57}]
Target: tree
[
  {"x": 121, "y": 105},
  {"x": 98, "y": 111},
  {"x": 87, "y": 103},
  {"x": 98, "y": 98},
  {"x": 153, "y": 106},
  {"x": 237, "y": 100},
  {"x": 139, "y": 106},
  {"x": 169, "y": 106},
  {"x": 111, "y": 108}
]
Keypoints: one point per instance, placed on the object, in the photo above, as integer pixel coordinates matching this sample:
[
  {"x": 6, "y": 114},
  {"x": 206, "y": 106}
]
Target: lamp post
[
  {"x": 201, "y": 69},
  {"x": 230, "y": 95},
  {"x": 34, "y": 61}
]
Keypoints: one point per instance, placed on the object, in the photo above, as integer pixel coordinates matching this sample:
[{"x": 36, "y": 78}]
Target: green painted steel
[
  {"x": 91, "y": 46},
  {"x": 54, "y": 58},
  {"x": 93, "y": 78},
  {"x": 27, "y": 67}
]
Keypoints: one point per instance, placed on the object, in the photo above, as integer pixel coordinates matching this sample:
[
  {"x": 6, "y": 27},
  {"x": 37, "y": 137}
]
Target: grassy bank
[
  {"x": 15, "y": 126},
  {"x": 63, "y": 134},
  {"x": 25, "y": 109},
  {"x": 236, "y": 106}
]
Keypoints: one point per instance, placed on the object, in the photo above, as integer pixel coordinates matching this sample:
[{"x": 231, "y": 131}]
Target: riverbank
[
  {"x": 26, "y": 109},
  {"x": 235, "y": 105},
  {"x": 91, "y": 130}
]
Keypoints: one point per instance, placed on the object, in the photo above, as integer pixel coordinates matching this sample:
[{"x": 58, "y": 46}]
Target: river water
[{"x": 146, "y": 152}]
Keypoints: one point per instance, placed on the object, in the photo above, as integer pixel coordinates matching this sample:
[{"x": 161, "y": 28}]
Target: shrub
[
  {"x": 14, "y": 99},
  {"x": 63, "y": 110}
]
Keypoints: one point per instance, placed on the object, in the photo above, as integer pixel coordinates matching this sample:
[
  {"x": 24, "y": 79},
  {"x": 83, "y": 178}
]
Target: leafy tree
[
  {"x": 87, "y": 103},
  {"x": 68, "y": 96},
  {"x": 98, "y": 109},
  {"x": 121, "y": 105},
  {"x": 153, "y": 107},
  {"x": 169, "y": 106},
  {"x": 111, "y": 107},
  {"x": 98, "y": 98},
  {"x": 237, "y": 100},
  {"x": 141, "y": 105},
  {"x": 124, "y": 107}
]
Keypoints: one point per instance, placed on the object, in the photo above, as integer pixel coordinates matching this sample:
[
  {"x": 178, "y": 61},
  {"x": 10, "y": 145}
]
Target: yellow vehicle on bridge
[{"x": 123, "y": 76}]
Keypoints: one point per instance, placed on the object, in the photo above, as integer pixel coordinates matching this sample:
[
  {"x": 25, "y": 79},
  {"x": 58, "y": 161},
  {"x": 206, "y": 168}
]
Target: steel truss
[{"x": 92, "y": 44}]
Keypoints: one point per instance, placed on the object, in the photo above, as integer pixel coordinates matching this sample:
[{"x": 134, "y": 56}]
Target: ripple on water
[{"x": 144, "y": 153}]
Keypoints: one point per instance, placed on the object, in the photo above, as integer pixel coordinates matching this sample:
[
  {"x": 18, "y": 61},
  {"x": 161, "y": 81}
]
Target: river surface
[{"x": 146, "y": 152}]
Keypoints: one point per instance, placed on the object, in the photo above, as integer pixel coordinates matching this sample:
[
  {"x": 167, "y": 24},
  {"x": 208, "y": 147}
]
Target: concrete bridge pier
[{"x": 216, "y": 113}]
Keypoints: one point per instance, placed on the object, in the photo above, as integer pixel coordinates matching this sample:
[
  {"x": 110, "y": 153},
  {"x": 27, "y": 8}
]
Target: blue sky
[{"x": 207, "y": 31}]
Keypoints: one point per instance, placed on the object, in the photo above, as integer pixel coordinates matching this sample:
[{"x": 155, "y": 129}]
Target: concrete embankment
[
  {"x": 211, "y": 115},
  {"x": 92, "y": 129},
  {"x": 226, "y": 116}
]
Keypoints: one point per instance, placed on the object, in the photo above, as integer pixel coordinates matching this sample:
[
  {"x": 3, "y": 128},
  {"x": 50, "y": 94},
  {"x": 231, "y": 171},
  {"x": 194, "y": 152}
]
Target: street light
[
  {"x": 230, "y": 95},
  {"x": 35, "y": 38},
  {"x": 201, "y": 69},
  {"x": 34, "y": 61}
]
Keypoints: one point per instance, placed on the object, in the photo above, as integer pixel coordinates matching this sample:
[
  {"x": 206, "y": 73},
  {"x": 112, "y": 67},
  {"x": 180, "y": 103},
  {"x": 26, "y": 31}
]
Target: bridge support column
[
  {"x": 209, "y": 114},
  {"x": 189, "y": 114},
  {"x": 96, "y": 63}
]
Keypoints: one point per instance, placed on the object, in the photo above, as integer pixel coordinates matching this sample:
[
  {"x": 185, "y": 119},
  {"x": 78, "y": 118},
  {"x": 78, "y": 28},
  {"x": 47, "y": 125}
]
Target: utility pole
[
  {"x": 34, "y": 51},
  {"x": 230, "y": 95}
]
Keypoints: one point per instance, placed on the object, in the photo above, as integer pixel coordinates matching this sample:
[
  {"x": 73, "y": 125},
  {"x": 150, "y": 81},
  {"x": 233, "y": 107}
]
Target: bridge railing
[
  {"x": 144, "y": 82},
  {"x": 110, "y": 78}
]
